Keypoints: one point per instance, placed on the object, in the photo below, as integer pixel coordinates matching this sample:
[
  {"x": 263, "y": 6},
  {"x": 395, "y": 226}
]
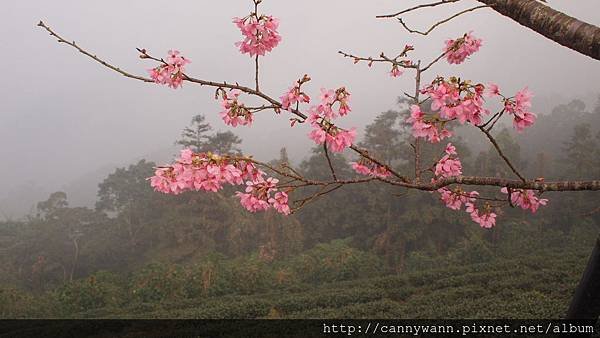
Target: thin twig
[
  {"x": 94, "y": 57},
  {"x": 256, "y": 72},
  {"x": 434, "y": 26},
  {"x": 329, "y": 161},
  {"x": 417, "y": 146},
  {"x": 433, "y": 4},
  {"x": 506, "y": 160}
]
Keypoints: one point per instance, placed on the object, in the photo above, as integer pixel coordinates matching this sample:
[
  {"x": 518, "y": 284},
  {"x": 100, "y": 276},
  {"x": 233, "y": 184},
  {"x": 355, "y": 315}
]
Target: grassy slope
[{"x": 528, "y": 287}]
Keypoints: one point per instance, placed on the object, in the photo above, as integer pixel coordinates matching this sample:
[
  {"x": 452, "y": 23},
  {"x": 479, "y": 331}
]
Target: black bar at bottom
[{"x": 297, "y": 328}]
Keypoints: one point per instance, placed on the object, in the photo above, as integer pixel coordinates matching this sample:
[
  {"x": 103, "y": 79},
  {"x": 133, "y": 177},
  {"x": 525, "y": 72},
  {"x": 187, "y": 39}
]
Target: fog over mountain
[{"x": 66, "y": 122}]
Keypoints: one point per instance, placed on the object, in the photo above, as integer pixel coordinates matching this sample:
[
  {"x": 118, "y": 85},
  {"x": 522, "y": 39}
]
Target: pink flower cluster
[
  {"x": 200, "y": 171},
  {"x": 322, "y": 114},
  {"x": 209, "y": 172},
  {"x": 449, "y": 165},
  {"x": 525, "y": 199},
  {"x": 368, "y": 168},
  {"x": 457, "y": 198},
  {"x": 519, "y": 107},
  {"x": 337, "y": 139},
  {"x": 457, "y": 100},
  {"x": 234, "y": 113},
  {"x": 458, "y": 50},
  {"x": 294, "y": 95},
  {"x": 260, "y": 34},
  {"x": 329, "y": 98},
  {"x": 396, "y": 71},
  {"x": 258, "y": 196},
  {"x": 171, "y": 72},
  {"x": 486, "y": 219},
  {"x": 426, "y": 128}
]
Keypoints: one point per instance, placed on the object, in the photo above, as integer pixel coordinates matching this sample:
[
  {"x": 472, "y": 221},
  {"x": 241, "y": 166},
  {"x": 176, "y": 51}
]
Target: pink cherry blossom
[
  {"x": 280, "y": 202},
  {"x": 338, "y": 139},
  {"x": 234, "y": 113},
  {"x": 321, "y": 115},
  {"x": 486, "y": 220},
  {"x": 523, "y": 120},
  {"x": 396, "y": 71},
  {"x": 519, "y": 108},
  {"x": 318, "y": 135},
  {"x": 361, "y": 168},
  {"x": 455, "y": 101},
  {"x": 327, "y": 96},
  {"x": 252, "y": 203},
  {"x": 381, "y": 172},
  {"x": 260, "y": 34},
  {"x": 420, "y": 128},
  {"x": 258, "y": 194},
  {"x": 294, "y": 95},
  {"x": 209, "y": 172},
  {"x": 492, "y": 90},
  {"x": 367, "y": 168},
  {"x": 458, "y": 50},
  {"x": 343, "y": 97},
  {"x": 450, "y": 149},
  {"x": 455, "y": 199},
  {"x": 525, "y": 199},
  {"x": 448, "y": 167},
  {"x": 171, "y": 72}
]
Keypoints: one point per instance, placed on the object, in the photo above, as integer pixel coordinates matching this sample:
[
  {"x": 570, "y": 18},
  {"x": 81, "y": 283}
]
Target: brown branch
[
  {"x": 506, "y": 160},
  {"x": 256, "y": 72},
  {"x": 434, "y": 26},
  {"x": 321, "y": 192},
  {"x": 434, "y": 61},
  {"x": 417, "y": 146},
  {"x": 554, "y": 25},
  {"x": 501, "y": 182},
  {"x": 244, "y": 89},
  {"x": 400, "y": 179},
  {"x": 382, "y": 58},
  {"x": 433, "y": 4},
  {"x": 94, "y": 57},
  {"x": 516, "y": 184},
  {"x": 329, "y": 161}
]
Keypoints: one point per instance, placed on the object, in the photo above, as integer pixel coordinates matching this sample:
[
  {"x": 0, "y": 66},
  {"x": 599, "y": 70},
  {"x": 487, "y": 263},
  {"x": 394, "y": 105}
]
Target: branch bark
[{"x": 554, "y": 25}]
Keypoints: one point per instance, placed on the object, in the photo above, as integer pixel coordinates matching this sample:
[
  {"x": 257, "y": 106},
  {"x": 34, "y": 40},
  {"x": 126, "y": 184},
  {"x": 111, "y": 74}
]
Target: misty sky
[{"x": 63, "y": 116}]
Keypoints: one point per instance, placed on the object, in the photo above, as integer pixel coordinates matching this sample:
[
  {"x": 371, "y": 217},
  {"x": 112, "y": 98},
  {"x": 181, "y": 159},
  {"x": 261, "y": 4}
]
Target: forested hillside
[{"x": 362, "y": 251}]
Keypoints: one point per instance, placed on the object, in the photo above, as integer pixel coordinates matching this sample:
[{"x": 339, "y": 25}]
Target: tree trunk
[
  {"x": 586, "y": 300},
  {"x": 557, "y": 26}
]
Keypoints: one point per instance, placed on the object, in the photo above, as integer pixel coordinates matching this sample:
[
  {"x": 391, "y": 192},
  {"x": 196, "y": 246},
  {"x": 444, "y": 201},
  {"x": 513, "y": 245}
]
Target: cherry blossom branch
[
  {"x": 94, "y": 57},
  {"x": 516, "y": 184},
  {"x": 247, "y": 90},
  {"x": 439, "y": 23},
  {"x": 256, "y": 65},
  {"x": 506, "y": 160},
  {"x": 329, "y": 162},
  {"x": 303, "y": 202},
  {"x": 538, "y": 185},
  {"x": 262, "y": 193},
  {"x": 494, "y": 118},
  {"x": 434, "y": 61},
  {"x": 433, "y": 4},
  {"x": 417, "y": 140},
  {"x": 382, "y": 58},
  {"x": 256, "y": 72}
]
